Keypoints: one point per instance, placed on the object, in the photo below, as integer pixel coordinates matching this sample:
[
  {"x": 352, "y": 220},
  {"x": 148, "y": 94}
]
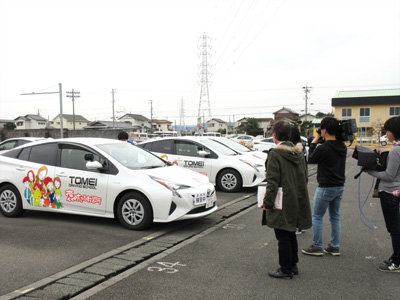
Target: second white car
[{"x": 227, "y": 169}]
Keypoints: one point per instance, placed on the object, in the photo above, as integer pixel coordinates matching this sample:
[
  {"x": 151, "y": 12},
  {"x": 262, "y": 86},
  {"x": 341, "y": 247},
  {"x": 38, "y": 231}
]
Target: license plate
[{"x": 199, "y": 199}]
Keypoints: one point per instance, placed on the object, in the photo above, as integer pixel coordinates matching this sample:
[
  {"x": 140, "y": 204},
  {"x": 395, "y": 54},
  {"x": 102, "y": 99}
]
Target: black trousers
[
  {"x": 391, "y": 213},
  {"x": 287, "y": 249}
]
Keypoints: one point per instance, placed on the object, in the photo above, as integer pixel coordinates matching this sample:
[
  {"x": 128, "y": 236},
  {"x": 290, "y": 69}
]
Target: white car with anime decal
[
  {"x": 101, "y": 177},
  {"x": 226, "y": 168}
]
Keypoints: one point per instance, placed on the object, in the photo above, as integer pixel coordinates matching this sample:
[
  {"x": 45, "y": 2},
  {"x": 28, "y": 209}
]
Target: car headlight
[
  {"x": 172, "y": 186},
  {"x": 255, "y": 166},
  {"x": 257, "y": 156}
]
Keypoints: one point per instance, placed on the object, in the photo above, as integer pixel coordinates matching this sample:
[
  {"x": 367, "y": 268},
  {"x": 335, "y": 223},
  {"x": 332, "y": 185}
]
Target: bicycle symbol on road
[{"x": 166, "y": 267}]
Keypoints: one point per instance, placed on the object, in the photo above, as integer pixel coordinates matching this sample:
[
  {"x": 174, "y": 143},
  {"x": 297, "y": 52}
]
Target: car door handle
[
  {"x": 62, "y": 175},
  {"x": 20, "y": 168}
]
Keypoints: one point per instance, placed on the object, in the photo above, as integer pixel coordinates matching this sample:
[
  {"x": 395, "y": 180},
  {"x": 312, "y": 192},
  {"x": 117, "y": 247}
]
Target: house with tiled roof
[
  {"x": 161, "y": 125},
  {"x": 285, "y": 113},
  {"x": 30, "y": 121},
  {"x": 138, "y": 121},
  {"x": 370, "y": 108},
  {"x": 69, "y": 121},
  {"x": 215, "y": 124},
  {"x": 110, "y": 125}
]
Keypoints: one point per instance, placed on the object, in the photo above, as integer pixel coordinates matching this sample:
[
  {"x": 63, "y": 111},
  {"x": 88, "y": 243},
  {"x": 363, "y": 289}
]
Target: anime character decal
[{"x": 42, "y": 190}]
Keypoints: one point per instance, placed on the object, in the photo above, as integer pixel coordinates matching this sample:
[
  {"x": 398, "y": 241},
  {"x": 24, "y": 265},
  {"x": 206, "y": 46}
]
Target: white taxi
[
  {"x": 224, "y": 167},
  {"x": 240, "y": 148},
  {"x": 16, "y": 142},
  {"x": 245, "y": 140},
  {"x": 101, "y": 177}
]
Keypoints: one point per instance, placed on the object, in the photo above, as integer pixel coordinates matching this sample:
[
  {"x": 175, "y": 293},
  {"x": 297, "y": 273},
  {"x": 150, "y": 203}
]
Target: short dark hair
[
  {"x": 331, "y": 125},
  {"x": 393, "y": 125},
  {"x": 295, "y": 135},
  {"x": 123, "y": 135},
  {"x": 282, "y": 129}
]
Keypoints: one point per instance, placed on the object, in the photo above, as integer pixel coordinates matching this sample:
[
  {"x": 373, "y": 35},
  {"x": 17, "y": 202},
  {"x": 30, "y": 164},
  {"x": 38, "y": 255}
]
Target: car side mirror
[
  {"x": 203, "y": 153},
  {"x": 93, "y": 165}
]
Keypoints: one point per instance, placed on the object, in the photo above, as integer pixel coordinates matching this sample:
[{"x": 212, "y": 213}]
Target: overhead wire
[
  {"x": 246, "y": 35},
  {"x": 262, "y": 29},
  {"x": 234, "y": 33}
]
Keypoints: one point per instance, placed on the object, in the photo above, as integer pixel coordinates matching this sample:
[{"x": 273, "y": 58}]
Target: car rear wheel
[
  {"x": 10, "y": 201},
  {"x": 229, "y": 181},
  {"x": 383, "y": 143},
  {"x": 134, "y": 211}
]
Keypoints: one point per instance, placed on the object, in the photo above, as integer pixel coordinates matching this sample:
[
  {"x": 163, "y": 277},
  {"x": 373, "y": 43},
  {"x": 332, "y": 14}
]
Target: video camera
[{"x": 347, "y": 128}]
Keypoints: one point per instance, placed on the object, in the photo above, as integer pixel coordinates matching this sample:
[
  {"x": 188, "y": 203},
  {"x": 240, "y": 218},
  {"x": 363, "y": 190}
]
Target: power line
[{"x": 262, "y": 29}]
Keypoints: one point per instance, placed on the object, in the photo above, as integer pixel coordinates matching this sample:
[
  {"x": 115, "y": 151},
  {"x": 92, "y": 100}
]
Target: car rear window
[
  {"x": 164, "y": 146},
  {"x": 44, "y": 154}
]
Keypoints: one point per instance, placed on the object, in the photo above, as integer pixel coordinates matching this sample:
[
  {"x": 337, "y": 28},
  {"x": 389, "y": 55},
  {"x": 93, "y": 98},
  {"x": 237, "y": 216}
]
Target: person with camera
[
  {"x": 389, "y": 194},
  {"x": 330, "y": 155}
]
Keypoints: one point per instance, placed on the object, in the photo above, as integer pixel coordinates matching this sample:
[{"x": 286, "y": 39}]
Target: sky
[{"x": 260, "y": 56}]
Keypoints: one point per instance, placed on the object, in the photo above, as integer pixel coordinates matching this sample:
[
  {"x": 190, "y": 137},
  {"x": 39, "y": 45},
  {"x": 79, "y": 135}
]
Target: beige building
[
  {"x": 68, "y": 122},
  {"x": 370, "y": 108}
]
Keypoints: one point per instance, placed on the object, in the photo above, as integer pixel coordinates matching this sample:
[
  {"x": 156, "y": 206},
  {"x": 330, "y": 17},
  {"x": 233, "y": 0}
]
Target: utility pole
[
  {"x": 73, "y": 95},
  {"x": 307, "y": 90},
  {"x": 113, "y": 102},
  {"x": 61, "y": 106},
  {"x": 151, "y": 116},
  {"x": 181, "y": 114},
  {"x": 204, "y": 80}
]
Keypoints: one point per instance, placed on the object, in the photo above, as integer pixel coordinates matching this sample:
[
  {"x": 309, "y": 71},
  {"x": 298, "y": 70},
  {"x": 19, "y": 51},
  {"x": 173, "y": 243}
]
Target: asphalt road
[
  {"x": 40, "y": 244},
  {"x": 232, "y": 261},
  {"x": 228, "y": 259}
]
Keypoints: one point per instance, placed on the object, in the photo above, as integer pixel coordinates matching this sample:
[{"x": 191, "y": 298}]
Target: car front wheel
[
  {"x": 384, "y": 143},
  {"x": 10, "y": 201},
  {"x": 134, "y": 211},
  {"x": 229, "y": 181}
]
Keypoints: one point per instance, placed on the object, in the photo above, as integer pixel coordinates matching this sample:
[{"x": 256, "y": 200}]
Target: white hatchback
[
  {"x": 104, "y": 178},
  {"x": 241, "y": 149},
  {"x": 264, "y": 145},
  {"x": 224, "y": 167},
  {"x": 245, "y": 140},
  {"x": 16, "y": 142}
]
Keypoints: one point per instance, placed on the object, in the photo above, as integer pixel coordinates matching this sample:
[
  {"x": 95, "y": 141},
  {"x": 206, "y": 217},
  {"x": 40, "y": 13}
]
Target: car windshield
[
  {"x": 131, "y": 156},
  {"x": 269, "y": 140},
  {"x": 234, "y": 145},
  {"x": 221, "y": 148}
]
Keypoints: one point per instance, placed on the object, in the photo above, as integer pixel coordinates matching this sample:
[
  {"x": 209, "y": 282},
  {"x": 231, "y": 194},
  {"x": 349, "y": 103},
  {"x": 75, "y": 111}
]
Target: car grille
[{"x": 172, "y": 208}]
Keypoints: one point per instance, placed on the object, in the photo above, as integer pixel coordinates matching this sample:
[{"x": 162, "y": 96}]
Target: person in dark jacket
[
  {"x": 331, "y": 159},
  {"x": 286, "y": 171}
]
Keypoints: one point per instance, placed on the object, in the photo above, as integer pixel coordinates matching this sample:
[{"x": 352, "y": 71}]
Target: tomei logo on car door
[
  {"x": 193, "y": 156},
  {"x": 82, "y": 189}
]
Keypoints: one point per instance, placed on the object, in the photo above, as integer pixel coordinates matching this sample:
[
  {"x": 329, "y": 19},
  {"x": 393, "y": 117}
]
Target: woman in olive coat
[{"x": 286, "y": 168}]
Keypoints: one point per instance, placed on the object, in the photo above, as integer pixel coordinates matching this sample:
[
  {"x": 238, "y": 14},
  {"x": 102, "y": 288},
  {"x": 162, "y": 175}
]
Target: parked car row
[
  {"x": 173, "y": 180},
  {"x": 225, "y": 167},
  {"x": 104, "y": 178}
]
